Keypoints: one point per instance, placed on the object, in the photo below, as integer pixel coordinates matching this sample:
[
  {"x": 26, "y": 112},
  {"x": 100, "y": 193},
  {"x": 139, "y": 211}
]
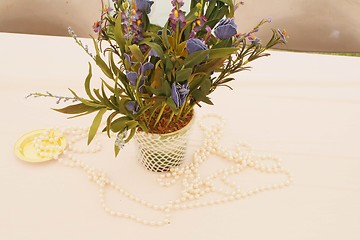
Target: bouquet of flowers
[{"x": 156, "y": 75}]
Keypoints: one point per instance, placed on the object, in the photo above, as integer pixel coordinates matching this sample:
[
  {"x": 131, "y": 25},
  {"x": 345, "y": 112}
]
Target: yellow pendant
[{"x": 25, "y": 149}]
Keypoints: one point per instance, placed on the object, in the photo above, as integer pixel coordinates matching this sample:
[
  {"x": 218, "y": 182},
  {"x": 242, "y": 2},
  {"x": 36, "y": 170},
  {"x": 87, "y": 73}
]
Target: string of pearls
[
  {"x": 195, "y": 187},
  {"x": 47, "y": 144}
]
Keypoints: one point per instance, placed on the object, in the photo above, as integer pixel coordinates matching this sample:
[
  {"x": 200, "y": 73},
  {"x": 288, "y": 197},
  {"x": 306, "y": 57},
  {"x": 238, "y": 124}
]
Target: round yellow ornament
[{"x": 25, "y": 148}]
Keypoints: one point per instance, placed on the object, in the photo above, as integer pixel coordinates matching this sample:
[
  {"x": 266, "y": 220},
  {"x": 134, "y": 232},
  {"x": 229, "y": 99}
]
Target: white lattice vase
[{"x": 160, "y": 152}]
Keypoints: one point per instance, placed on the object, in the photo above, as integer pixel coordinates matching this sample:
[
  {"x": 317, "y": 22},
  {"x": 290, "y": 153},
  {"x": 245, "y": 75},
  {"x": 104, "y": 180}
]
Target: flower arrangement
[{"x": 158, "y": 74}]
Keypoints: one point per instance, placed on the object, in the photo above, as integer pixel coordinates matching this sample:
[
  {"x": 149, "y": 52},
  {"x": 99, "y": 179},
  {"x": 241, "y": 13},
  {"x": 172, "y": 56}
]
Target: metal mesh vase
[{"x": 160, "y": 152}]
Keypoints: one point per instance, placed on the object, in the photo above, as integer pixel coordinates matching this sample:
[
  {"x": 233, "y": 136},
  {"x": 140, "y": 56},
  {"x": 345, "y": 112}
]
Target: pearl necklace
[{"x": 194, "y": 185}]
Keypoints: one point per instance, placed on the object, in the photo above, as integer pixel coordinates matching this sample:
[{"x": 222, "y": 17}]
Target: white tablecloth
[{"x": 304, "y": 108}]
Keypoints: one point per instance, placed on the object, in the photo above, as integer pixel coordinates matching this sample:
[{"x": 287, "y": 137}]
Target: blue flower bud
[
  {"x": 194, "y": 45},
  {"x": 226, "y": 28},
  {"x": 132, "y": 77},
  {"x": 179, "y": 93},
  {"x": 145, "y": 67},
  {"x": 144, "y": 5},
  {"x": 133, "y": 107}
]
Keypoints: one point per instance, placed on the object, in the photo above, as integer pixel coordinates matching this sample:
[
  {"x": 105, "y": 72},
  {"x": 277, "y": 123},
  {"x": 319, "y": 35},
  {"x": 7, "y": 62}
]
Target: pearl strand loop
[{"x": 194, "y": 186}]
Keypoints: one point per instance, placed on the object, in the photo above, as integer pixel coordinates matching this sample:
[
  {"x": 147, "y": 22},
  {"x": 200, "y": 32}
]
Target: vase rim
[{"x": 185, "y": 128}]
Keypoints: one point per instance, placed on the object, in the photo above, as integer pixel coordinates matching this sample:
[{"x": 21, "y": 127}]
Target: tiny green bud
[
  {"x": 196, "y": 14},
  {"x": 125, "y": 5},
  {"x": 199, "y": 5}
]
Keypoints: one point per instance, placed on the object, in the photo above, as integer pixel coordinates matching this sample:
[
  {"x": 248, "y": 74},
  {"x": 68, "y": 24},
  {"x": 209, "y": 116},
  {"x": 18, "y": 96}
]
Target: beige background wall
[
  {"x": 49, "y": 17},
  {"x": 313, "y": 25}
]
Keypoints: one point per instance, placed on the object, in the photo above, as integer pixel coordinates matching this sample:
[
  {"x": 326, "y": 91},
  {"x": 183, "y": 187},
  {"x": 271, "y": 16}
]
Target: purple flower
[
  {"x": 282, "y": 34},
  {"x": 145, "y": 67},
  {"x": 177, "y": 16},
  {"x": 237, "y": 4},
  {"x": 226, "y": 28},
  {"x": 120, "y": 139},
  {"x": 180, "y": 3},
  {"x": 107, "y": 10},
  {"x": 199, "y": 23},
  {"x": 179, "y": 93},
  {"x": 144, "y": 5},
  {"x": 128, "y": 59},
  {"x": 254, "y": 40},
  {"x": 194, "y": 45},
  {"x": 133, "y": 76},
  {"x": 132, "y": 25},
  {"x": 153, "y": 53},
  {"x": 133, "y": 107},
  {"x": 208, "y": 33},
  {"x": 97, "y": 26}
]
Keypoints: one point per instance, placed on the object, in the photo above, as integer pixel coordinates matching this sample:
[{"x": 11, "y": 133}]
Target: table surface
[{"x": 304, "y": 108}]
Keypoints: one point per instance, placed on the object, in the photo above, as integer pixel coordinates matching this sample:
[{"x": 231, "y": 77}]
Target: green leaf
[
  {"x": 131, "y": 135},
  {"x": 226, "y": 43},
  {"x": 183, "y": 74},
  {"x": 144, "y": 109},
  {"x": 114, "y": 68},
  {"x": 211, "y": 65},
  {"x": 119, "y": 124},
  {"x": 132, "y": 124},
  {"x": 164, "y": 36},
  {"x": 195, "y": 83},
  {"x": 106, "y": 99},
  {"x": 108, "y": 122},
  {"x": 95, "y": 124},
  {"x": 86, "y": 102},
  {"x": 135, "y": 50},
  {"x": 195, "y": 58},
  {"x": 231, "y": 7},
  {"x": 75, "y": 109},
  {"x": 221, "y": 52},
  {"x": 222, "y": 12},
  {"x": 210, "y": 9},
  {"x": 143, "y": 126},
  {"x": 98, "y": 95},
  {"x": 102, "y": 65},
  {"x": 153, "y": 28},
  {"x": 111, "y": 89},
  {"x": 85, "y": 113},
  {"x": 121, "y": 105},
  {"x": 87, "y": 84},
  {"x": 119, "y": 35},
  {"x": 210, "y": 23},
  {"x": 116, "y": 150},
  {"x": 200, "y": 96},
  {"x": 146, "y": 21},
  {"x": 113, "y": 100},
  {"x": 191, "y": 15},
  {"x": 163, "y": 90},
  {"x": 157, "y": 48},
  {"x": 166, "y": 89},
  {"x": 205, "y": 86},
  {"x": 168, "y": 64},
  {"x": 172, "y": 105}
]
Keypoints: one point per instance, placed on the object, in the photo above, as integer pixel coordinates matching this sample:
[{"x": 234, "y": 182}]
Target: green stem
[
  {"x": 136, "y": 92},
  {"x": 160, "y": 114},
  {"x": 180, "y": 111},
  {"x": 171, "y": 118},
  {"x": 190, "y": 109}
]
